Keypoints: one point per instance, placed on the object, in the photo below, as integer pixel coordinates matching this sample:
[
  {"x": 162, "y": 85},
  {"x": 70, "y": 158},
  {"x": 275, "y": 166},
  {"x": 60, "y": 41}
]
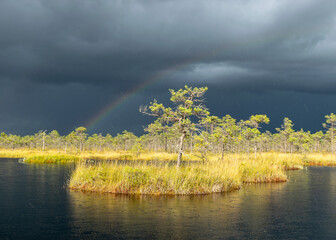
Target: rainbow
[{"x": 93, "y": 122}]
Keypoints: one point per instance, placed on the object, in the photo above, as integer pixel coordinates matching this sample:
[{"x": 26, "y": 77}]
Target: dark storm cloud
[
  {"x": 62, "y": 61},
  {"x": 278, "y": 43}
]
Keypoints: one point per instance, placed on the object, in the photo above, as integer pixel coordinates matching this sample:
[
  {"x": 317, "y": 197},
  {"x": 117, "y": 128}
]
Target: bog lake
[{"x": 36, "y": 204}]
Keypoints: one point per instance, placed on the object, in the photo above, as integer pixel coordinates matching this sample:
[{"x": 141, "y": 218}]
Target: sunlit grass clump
[
  {"x": 212, "y": 177},
  {"x": 261, "y": 171},
  {"x": 321, "y": 159},
  {"x": 150, "y": 179},
  {"x": 54, "y": 159},
  {"x": 41, "y": 157},
  {"x": 287, "y": 161}
]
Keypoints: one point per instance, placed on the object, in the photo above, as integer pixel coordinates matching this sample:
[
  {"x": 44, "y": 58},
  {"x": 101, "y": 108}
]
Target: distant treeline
[
  {"x": 188, "y": 128},
  {"x": 214, "y": 135}
]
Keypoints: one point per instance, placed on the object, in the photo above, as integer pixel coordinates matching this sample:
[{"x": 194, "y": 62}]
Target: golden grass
[
  {"x": 137, "y": 177},
  {"x": 38, "y": 156},
  {"x": 320, "y": 159},
  {"x": 47, "y": 156},
  {"x": 54, "y": 159},
  {"x": 140, "y": 178},
  {"x": 288, "y": 161}
]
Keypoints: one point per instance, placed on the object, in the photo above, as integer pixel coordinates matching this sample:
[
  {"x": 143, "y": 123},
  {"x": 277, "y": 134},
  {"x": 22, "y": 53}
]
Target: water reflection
[
  {"x": 196, "y": 217},
  {"x": 32, "y": 200},
  {"x": 35, "y": 204},
  {"x": 300, "y": 208}
]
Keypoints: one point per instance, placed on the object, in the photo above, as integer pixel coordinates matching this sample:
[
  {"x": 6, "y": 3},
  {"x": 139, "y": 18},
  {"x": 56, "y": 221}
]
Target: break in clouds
[{"x": 65, "y": 56}]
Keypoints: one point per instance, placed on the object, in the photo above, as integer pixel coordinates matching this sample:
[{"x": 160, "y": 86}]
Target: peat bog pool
[{"x": 35, "y": 204}]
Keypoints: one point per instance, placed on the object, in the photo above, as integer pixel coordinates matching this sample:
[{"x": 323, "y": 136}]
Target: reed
[
  {"x": 287, "y": 160},
  {"x": 37, "y": 156},
  {"x": 320, "y": 159},
  {"x": 54, "y": 159},
  {"x": 140, "y": 178}
]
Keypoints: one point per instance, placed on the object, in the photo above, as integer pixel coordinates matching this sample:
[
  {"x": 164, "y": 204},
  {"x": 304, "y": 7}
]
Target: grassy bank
[
  {"x": 137, "y": 178},
  {"x": 54, "y": 159},
  {"x": 211, "y": 177},
  {"x": 41, "y": 157},
  {"x": 320, "y": 159},
  {"x": 63, "y": 157},
  {"x": 289, "y": 161}
]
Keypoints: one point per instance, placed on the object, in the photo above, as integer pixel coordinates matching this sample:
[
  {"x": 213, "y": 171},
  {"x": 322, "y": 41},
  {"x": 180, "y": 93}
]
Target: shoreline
[
  {"x": 128, "y": 173},
  {"x": 63, "y": 157},
  {"x": 267, "y": 168}
]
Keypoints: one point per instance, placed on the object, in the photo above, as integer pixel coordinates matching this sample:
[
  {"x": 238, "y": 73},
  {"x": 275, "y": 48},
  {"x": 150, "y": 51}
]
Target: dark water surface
[{"x": 35, "y": 204}]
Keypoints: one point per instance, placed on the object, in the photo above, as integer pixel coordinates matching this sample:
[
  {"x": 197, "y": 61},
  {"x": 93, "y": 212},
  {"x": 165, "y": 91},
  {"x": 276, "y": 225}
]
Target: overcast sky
[{"x": 62, "y": 62}]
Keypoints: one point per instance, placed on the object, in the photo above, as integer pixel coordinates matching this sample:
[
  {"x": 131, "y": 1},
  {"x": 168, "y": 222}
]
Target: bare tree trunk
[
  {"x": 223, "y": 147},
  {"x": 166, "y": 143},
  {"x": 180, "y": 150},
  {"x": 255, "y": 151},
  {"x": 191, "y": 143},
  {"x": 285, "y": 145},
  {"x": 43, "y": 142},
  {"x": 332, "y": 140}
]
